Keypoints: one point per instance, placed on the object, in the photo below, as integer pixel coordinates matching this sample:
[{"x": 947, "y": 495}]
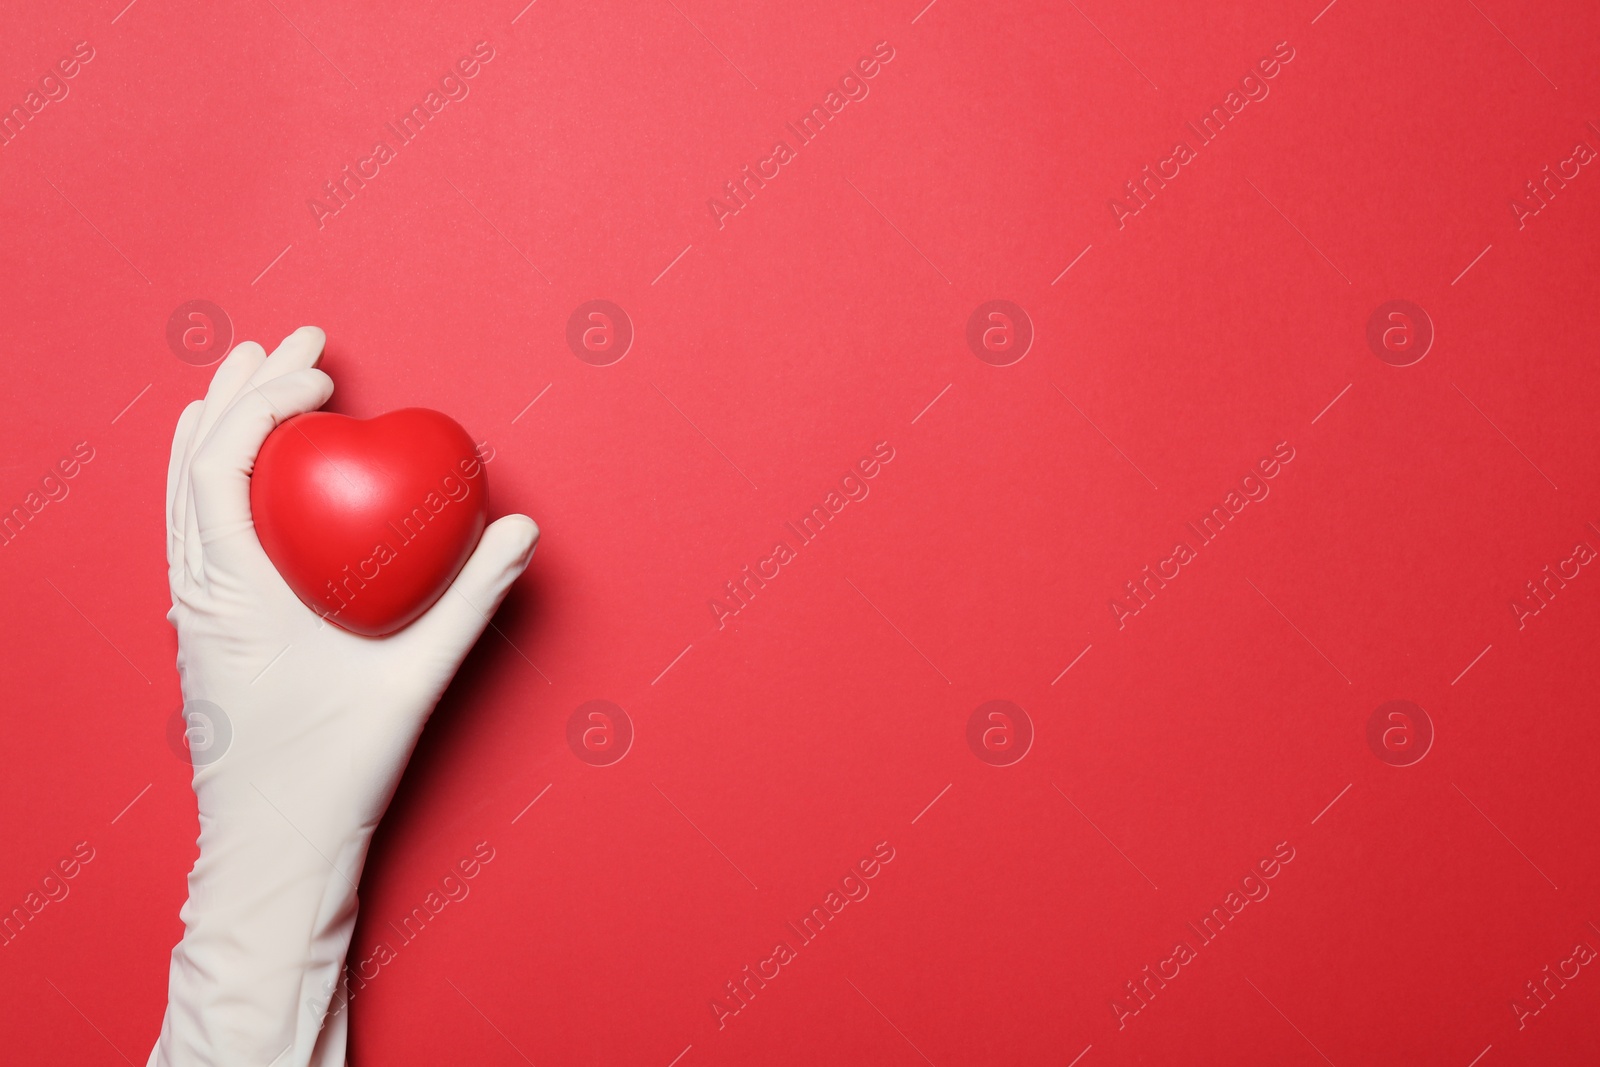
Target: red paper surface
[{"x": 1165, "y": 754}]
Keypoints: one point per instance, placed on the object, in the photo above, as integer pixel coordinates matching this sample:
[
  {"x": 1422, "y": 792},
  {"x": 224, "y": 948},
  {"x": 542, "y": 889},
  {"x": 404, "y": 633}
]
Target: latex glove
[{"x": 322, "y": 722}]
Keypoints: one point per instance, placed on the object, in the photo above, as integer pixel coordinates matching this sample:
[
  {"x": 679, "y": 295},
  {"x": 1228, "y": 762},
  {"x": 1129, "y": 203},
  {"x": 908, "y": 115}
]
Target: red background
[{"x": 823, "y": 318}]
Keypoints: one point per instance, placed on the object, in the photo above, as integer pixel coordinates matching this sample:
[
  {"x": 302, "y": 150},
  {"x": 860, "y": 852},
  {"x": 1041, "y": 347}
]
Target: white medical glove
[{"x": 301, "y": 739}]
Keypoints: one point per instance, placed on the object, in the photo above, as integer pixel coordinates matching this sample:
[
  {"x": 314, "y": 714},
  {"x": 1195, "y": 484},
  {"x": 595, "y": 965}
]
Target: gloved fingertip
[
  {"x": 505, "y": 548},
  {"x": 312, "y": 387},
  {"x": 525, "y": 527},
  {"x": 316, "y": 338}
]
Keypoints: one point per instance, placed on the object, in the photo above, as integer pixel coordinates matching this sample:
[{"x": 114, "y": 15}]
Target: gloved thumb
[{"x": 451, "y": 627}]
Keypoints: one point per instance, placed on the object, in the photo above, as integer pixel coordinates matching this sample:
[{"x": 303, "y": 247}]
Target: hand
[{"x": 322, "y": 722}]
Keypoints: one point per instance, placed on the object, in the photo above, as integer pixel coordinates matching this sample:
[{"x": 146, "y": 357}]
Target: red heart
[{"x": 369, "y": 520}]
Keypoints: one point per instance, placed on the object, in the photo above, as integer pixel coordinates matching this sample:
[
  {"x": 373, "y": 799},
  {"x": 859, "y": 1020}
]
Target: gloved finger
[
  {"x": 194, "y": 561},
  {"x": 220, "y": 472},
  {"x": 301, "y": 350},
  {"x": 451, "y": 627},
  {"x": 226, "y": 383},
  {"x": 175, "y": 478}
]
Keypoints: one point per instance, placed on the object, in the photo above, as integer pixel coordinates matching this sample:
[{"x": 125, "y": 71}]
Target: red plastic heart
[{"x": 369, "y": 520}]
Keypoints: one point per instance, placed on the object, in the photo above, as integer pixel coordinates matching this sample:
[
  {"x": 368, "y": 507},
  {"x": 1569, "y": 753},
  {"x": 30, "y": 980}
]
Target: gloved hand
[{"x": 322, "y": 722}]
